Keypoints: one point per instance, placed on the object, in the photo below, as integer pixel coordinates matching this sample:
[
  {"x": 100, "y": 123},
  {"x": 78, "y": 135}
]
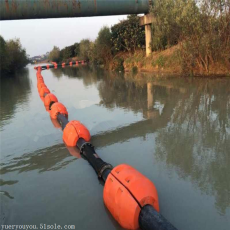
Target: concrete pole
[
  {"x": 148, "y": 39},
  {"x": 146, "y": 21}
]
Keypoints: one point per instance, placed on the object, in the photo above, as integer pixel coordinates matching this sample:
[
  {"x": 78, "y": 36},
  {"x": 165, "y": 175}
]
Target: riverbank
[{"x": 168, "y": 61}]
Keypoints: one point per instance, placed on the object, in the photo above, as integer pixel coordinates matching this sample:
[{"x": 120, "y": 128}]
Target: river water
[{"x": 176, "y": 131}]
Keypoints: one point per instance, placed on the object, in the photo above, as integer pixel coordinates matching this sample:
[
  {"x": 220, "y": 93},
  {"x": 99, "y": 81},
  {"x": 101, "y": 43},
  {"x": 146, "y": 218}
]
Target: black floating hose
[
  {"x": 87, "y": 150},
  {"x": 150, "y": 219},
  {"x": 62, "y": 120}
]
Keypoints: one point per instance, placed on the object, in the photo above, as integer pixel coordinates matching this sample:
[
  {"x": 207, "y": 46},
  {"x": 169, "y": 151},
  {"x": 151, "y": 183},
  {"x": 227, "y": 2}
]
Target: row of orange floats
[
  {"x": 130, "y": 197},
  {"x": 63, "y": 64}
]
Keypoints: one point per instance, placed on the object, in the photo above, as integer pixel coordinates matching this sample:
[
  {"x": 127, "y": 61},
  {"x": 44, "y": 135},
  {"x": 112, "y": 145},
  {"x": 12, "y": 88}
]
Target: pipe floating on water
[
  {"x": 130, "y": 197},
  {"x": 55, "y": 65}
]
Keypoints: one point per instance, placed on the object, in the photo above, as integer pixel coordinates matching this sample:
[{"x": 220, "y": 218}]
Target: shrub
[
  {"x": 128, "y": 35},
  {"x": 118, "y": 64},
  {"x": 55, "y": 54},
  {"x": 13, "y": 56},
  {"x": 103, "y": 46}
]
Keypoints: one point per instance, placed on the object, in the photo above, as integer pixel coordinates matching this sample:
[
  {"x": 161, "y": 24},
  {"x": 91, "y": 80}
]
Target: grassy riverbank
[{"x": 168, "y": 61}]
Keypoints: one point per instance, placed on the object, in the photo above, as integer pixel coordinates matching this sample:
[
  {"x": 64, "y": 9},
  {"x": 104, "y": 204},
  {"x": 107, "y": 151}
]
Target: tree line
[
  {"x": 126, "y": 36},
  {"x": 12, "y": 56},
  {"x": 199, "y": 28}
]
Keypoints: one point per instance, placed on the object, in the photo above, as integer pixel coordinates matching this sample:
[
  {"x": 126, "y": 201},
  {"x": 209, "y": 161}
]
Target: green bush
[
  {"x": 86, "y": 49},
  {"x": 103, "y": 46},
  {"x": 128, "y": 35},
  {"x": 67, "y": 53},
  {"x": 134, "y": 69},
  {"x": 4, "y": 62},
  {"x": 13, "y": 56},
  {"x": 202, "y": 31},
  {"x": 55, "y": 54},
  {"x": 118, "y": 64},
  {"x": 160, "y": 61}
]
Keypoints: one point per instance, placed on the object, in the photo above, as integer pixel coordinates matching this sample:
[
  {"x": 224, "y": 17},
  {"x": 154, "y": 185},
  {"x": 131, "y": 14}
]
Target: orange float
[
  {"x": 126, "y": 191},
  {"x": 39, "y": 75},
  {"x": 49, "y": 100},
  {"x": 47, "y": 67},
  {"x": 42, "y": 99},
  {"x": 39, "y": 69},
  {"x": 40, "y": 81},
  {"x": 73, "y": 131},
  {"x": 43, "y": 90},
  {"x": 58, "y": 108},
  {"x": 40, "y": 85}
]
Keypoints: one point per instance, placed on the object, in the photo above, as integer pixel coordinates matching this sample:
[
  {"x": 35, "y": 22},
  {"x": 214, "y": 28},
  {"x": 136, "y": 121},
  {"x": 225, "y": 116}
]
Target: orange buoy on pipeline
[{"x": 130, "y": 197}]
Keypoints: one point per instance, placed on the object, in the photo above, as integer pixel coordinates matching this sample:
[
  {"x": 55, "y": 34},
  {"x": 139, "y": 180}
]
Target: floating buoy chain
[
  {"x": 130, "y": 197},
  {"x": 55, "y": 65}
]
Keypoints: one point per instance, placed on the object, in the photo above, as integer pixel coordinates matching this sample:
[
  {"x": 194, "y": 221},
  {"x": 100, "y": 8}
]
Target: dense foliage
[
  {"x": 202, "y": 28},
  {"x": 70, "y": 52},
  {"x": 55, "y": 54},
  {"x": 103, "y": 46},
  {"x": 12, "y": 56},
  {"x": 199, "y": 30},
  {"x": 86, "y": 49},
  {"x": 127, "y": 35}
]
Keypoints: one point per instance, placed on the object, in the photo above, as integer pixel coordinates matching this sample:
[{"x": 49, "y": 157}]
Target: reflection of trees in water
[
  {"x": 57, "y": 72},
  {"x": 88, "y": 75},
  {"x": 196, "y": 140},
  {"x": 48, "y": 159},
  {"x": 192, "y": 130},
  {"x": 114, "y": 89},
  {"x": 15, "y": 91},
  {"x": 117, "y": 92}
]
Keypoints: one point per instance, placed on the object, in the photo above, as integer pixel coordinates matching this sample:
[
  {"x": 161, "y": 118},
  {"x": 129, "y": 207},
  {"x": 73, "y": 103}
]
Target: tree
[
  {"x": 67, "y": 53},
  {"x": 3, "y": 56},
  {"x": 86, "y": 49},
  {"x": 16, "y": 55},
  {"x": 128, "y": 35},
  {"x": 103, "y": 46},
  {"x": 12, "y": 56},
  {"x": 55, "y": 54},
  {"x": 77, "y": 49},
  {"x": 201, "y": 27}
]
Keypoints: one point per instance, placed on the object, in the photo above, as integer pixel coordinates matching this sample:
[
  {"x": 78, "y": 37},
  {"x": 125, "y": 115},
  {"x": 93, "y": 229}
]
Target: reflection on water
[
  {"x": 15, "y": 91},
  {"x": 191, "y": 117},
  {"x": 196, "y": 140},
  {"x": 183, "y": 123},
  {"x": 48, "y": 159}
]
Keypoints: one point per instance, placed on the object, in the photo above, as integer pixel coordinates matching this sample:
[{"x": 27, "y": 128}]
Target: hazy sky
[{"x": 39, "y": 36}]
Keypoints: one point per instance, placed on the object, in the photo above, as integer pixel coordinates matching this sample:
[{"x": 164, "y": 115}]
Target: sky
[{"x": 40, "y": 35}]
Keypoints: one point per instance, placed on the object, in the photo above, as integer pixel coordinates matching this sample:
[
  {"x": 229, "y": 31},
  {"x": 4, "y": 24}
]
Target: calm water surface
[{"x": 175, "y": 131}]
